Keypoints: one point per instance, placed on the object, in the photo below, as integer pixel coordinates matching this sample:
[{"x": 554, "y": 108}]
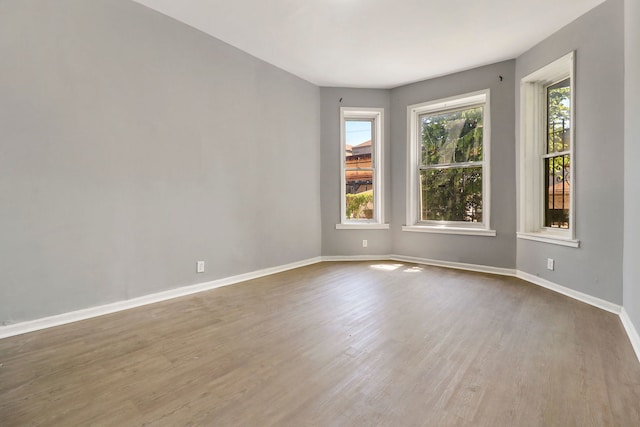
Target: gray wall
[
  {"x": 596, "y": 267},
  {"x": 631, "y": 169},
  {"x": 496, "y": 251},
  {"x": 131, "y": 146},
  {"x": 349, "y": 242}
]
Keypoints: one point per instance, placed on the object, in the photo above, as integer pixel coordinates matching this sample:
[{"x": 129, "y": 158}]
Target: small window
[
  {"x": 547, "y": 164},
  {"x": 448, "y": 177},
  {"x": 361, "y": 168}
]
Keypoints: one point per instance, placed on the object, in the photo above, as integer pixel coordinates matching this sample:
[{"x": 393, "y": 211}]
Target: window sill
[
  {"x": 549, "y": 238},
  {"x": 450, "y": 230},
  {"x": 363, "y": 226}
]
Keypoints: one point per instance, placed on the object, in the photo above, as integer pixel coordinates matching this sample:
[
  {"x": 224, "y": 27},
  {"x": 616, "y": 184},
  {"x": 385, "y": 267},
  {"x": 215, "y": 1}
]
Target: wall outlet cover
[{"x": 550, "y": 263}]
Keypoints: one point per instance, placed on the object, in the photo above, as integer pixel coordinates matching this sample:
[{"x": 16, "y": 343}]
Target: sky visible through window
[{"x": 357, "y": 132}]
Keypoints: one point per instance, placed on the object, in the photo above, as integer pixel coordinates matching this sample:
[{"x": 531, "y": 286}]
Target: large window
[
  {"x": 546, "y": 154},
  {"x": 361, "y": 168},
  {"x": 448, "y": 180}
]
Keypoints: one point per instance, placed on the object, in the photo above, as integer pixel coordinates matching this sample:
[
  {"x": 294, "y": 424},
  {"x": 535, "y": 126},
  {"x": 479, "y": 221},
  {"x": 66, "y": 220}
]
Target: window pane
[
  {"x": 452, "y": 137},
  {"x": 358, "y": 135},
  {"x": 451, "y": 194},
  {"x": 359, "y": 194},
  {"x": 558, "y": 117},
  {"x": 558, "y": 194}
]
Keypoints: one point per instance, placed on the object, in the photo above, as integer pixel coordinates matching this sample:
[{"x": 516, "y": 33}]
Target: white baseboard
[
  {"x": 334, "y": 258},
  {"x": 632, "y": 332},
  {"x": 456, "y": 265},
  {"x": 586, "y": 298},
  {"x": 87, "y": 313}
]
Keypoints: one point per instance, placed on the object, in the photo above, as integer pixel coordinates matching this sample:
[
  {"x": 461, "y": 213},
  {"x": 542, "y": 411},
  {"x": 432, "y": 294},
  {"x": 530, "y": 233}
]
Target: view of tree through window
[
  {"x": 451, "y": 165},
  {"x": 359, "y": 172},
  {"x": 557, "y": 161}
]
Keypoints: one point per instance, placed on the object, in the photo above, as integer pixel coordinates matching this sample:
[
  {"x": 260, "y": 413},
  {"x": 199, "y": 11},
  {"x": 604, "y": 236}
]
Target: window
[
  {"x": 448, "y": 171},
  {"x": 361, "y": 168},
  {"x": 557, "y": 159},
  {"x": 547, "y": 163}
]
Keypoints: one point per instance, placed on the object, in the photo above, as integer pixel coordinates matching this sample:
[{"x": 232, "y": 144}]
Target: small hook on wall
[{"x": 500, "y": 78}]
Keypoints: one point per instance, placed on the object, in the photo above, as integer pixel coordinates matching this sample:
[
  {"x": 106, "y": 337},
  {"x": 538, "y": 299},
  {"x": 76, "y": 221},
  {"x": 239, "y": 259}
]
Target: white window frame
[
  {"x": 376, "y": 115},
  {"x": 533, "y": 128},
  {"x": 413, "y": 220}
]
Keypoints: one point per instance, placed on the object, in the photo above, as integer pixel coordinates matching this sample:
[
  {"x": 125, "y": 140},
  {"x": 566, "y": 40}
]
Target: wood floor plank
[{"x": 348, "y": 344}]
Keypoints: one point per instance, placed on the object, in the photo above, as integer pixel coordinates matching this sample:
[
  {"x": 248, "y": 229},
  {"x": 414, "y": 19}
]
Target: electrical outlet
[
  {"x": 550, "y": 263},
  {"x": 200, "y": 267},
  {"x": 364, "y": 243}
]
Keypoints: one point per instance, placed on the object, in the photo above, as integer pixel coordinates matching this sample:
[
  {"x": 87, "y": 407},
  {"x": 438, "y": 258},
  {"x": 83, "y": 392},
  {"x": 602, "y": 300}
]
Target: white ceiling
[{"x": 376, "y": 43}]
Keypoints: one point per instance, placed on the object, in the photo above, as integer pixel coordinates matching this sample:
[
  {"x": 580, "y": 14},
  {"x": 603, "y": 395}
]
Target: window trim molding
[
  {"x": 441, "y": 229},
  {"x": 412, "y": 196},
  {"x": 547, "y": 238},
  {"x": 363, "y": 225},
  {"x": 377, "y": 144},
  {"x": 532, "y": 147}
]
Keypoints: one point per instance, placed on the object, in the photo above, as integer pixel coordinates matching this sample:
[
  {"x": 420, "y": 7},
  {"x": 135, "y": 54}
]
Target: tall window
[
  {"x": 546, "y": 154},
  {"x": 361, "y": 168},
  {"x": 557, "y": 159},
  {"x": 448, "y": 181}
]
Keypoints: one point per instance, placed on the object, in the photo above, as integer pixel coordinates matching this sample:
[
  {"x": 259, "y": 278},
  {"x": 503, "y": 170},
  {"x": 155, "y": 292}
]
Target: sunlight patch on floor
[{"x": 386, "y": 267}]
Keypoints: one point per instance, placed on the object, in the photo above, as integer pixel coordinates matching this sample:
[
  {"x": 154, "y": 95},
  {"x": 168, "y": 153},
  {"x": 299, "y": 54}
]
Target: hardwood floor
[{"x": 333, "y": 344}]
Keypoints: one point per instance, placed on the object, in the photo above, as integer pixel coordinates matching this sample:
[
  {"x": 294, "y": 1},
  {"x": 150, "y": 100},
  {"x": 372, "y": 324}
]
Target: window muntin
[
  {"x": 448, "y": 166},
  {"x": 361, "y": 167}
]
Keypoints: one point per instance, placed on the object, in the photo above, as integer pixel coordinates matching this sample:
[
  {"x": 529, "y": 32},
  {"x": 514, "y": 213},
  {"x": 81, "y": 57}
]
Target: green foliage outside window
[
  {"x": 357, "y": 204},
  {"x": 559, "y": 126},
  {"x": 558, "y": 117},
  {"x": 451, "y": 175}
]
